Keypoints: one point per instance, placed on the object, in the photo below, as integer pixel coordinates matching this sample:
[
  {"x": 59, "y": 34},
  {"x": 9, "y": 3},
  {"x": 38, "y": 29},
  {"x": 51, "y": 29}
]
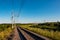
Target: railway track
[{"x": 28, "y": 35}]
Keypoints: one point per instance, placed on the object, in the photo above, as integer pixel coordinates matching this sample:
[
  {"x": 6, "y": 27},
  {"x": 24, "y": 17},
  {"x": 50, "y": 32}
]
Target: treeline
[{"x": 55, "y": 26}]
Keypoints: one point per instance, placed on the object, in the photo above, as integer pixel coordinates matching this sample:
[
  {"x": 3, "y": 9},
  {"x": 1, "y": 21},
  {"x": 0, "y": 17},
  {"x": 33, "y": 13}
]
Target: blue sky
[{"x": 30, "y": 10}]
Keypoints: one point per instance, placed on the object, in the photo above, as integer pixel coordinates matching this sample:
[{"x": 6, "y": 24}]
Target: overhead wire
[{"x": 21, "y": 7}]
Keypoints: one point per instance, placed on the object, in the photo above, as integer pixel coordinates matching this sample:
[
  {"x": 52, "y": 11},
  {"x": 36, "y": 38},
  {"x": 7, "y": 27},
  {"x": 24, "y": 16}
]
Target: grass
[
  {"x": 4, "y": 34},
  {"x": 54, "y": 35}
]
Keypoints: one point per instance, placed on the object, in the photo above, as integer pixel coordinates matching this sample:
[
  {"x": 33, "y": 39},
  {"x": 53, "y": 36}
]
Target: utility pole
[{"x": 13, "y": 15}]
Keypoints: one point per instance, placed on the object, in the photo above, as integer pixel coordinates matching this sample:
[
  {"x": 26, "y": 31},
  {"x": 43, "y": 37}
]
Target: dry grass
[{"x": 4, "y": 34}]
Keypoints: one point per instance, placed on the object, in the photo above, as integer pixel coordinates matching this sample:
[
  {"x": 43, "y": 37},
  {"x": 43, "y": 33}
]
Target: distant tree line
[{"x": 49, "y": 26}]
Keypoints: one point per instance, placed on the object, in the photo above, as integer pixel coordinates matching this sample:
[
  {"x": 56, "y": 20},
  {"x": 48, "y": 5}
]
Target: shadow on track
[{"x": 21, "y": 35}]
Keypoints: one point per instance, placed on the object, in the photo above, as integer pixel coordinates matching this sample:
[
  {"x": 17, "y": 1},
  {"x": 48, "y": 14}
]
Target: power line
[{"x": 13, "y": 16}]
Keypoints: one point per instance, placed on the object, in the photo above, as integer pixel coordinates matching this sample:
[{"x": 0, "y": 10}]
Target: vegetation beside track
[
  {"x": 50, "y": 30},
  {"x": 5, "y": 31}
]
